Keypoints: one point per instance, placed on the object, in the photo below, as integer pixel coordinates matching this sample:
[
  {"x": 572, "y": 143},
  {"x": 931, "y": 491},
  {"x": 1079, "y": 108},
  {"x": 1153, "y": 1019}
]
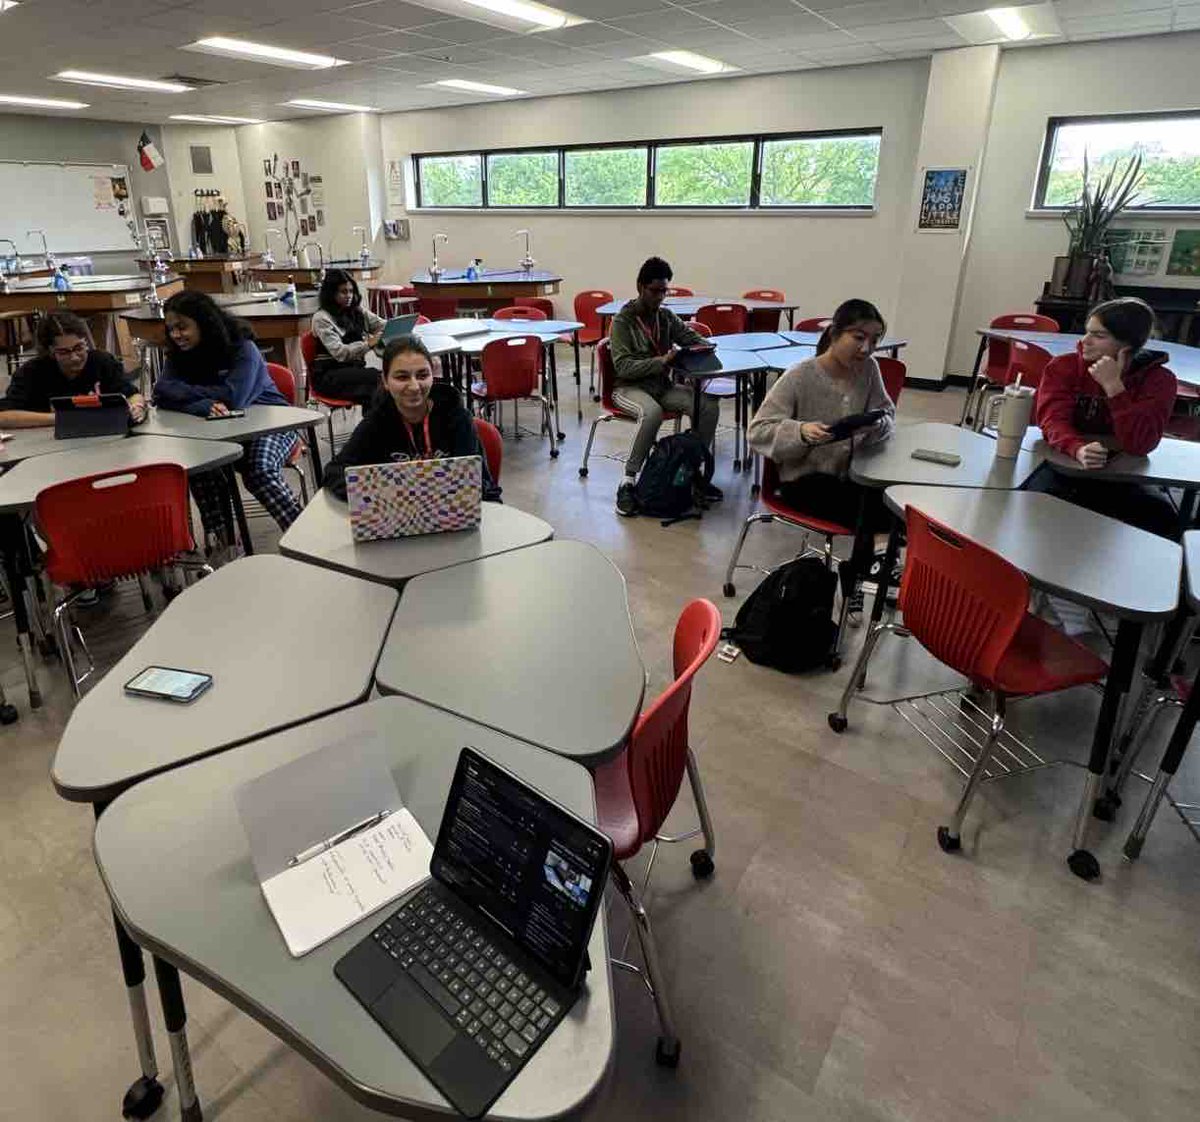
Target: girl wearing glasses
[{"x": 66, "y": 365}]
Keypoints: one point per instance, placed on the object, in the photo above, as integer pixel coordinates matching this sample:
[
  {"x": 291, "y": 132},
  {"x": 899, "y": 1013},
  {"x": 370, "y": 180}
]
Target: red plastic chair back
[
  {"x": 492, "y": 444},
  {"x": 511, "y": 367},
  {"x": 607, "y": 374},
  {"x": 438, "y": 307},
  {"x": 723, "y": 319},
  {"x": 585, "y": 306},
  {"x": 679, "y": 290},
  {"x": 546, "y": 307},
  {"x": 284, "y": 379},
  {"x": 519, "y": 311},
  {"x": 422, "y": 319},
  {"x": 961, "y": 601},
  {"x": 893, "y": 372},
  {"x": 700, "y": 328},
  {"x": 813, "y": 323},
  {"x": 379, "y": 297},
  {"x": 769, "y": 497},
  {"x": 658, "y": 747},
  {"x": 998, "y": 353},
  {"x": 1027, "y": 360},
  {"x": 763, "y": 319},
  {"x": 772, "y": 294},
  {"x": 114, "y": 524},
  {"x": 308, "y": 348}
]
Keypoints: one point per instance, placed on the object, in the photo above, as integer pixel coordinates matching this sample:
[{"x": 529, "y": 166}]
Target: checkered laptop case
[{"x": 399, "y": 500}]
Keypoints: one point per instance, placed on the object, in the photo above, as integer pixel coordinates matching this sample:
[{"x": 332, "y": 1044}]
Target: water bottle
[
  {"x": 62, "y": 280},
  {"x": 472, "y": 272},
  {"x": 289, "y": 294}
]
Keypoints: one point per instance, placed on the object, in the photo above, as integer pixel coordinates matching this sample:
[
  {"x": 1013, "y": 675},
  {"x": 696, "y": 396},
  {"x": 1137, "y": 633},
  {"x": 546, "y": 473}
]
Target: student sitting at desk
[
  {"x": 345, "y": 332},
  {"x": 1109, "y": 394},
  {"x": 415, "y": 418},
  {"x": 212, "y": 367},
  {"x": 646, "y": 340},
  {"x": 792, "y": 427},
  {"x": 66, "y": 365}
]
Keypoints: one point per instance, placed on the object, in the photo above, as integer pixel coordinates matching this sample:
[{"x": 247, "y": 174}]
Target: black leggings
[
  {"x": 1126, "y": 502},
  {"x": 834, "y": 499},
  {"x": 354, "y": 383}
]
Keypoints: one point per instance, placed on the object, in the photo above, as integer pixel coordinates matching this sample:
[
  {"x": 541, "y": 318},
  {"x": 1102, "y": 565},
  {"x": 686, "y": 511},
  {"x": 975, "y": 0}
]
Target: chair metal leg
[
  {"x": 1145, "y": 819},
  {"x": 702, "y": 860},
  {"x": 950, "y": 837},
  {"x": 730, "y": 589},
  {"x": 143, "y": 580},
  {"x": 668, "y": 1048},
  {"x": 587, "y": 451},
  {"x": 62, "y": 626},
  {"x": 858, "y": 676}
]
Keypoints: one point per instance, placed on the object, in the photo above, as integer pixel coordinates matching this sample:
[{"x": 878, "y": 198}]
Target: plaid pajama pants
[{"x": 261, "y": 466}]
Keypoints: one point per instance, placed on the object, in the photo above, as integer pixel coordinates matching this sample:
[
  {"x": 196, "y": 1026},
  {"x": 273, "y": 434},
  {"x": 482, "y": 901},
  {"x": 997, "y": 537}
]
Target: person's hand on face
[
  {"x": 814, "y": 432},
  {"x": 1107, "y": 371},
  {"x": 1093, "y": 455}
]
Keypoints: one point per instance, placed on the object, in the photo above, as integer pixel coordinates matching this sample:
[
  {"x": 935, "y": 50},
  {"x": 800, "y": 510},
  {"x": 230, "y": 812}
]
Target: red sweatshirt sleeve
[
  {"x": 1139, "y": 418},
  {"x": 1056, "y": 404}
]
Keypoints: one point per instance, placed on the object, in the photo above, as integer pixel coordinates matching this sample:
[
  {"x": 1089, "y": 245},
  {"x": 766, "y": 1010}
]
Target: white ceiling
[{"x": 396, "y": 47}]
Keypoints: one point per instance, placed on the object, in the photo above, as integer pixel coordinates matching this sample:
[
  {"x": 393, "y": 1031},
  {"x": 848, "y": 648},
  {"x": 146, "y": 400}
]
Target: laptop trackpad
[{"x": 409, "y": 1016}]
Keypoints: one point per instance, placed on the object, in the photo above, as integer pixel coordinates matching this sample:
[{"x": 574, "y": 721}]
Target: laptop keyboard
[{"x": 475, "y": 984}]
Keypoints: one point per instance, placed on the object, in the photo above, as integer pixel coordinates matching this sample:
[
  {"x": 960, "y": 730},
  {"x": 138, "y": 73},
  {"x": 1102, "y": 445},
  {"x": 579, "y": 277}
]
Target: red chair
[
  {"x": 813, "y": 323},
  {"x": 1028, "y": 362},
  {"x": 968, "y": 607},
  {"x": 592, "y": 331},
  {"x": 285, "y": 383},
  {"x": 104, "y": 527},
  {"x": 723, "y": 319},
  {"x": 512, "y": 370},
  {"x": 422, "y": 320},
  {"x": 438, "y": 307},
  {"x": 894, "y": 373},
  {"x": 519, "y": 311},
  {"x": 994, "y": 374},
  {"x": 764, "y": 319},
  {"x": 679, "y": 290},
  {"x": 546, "y": 307},
  {"x": 308, "y": 348},
  {"x": 492, "y": 444},
  {"x": 611, "y": 411},
  {"x": 636, "y": 791},
  {"x": 700, "y": 328}
]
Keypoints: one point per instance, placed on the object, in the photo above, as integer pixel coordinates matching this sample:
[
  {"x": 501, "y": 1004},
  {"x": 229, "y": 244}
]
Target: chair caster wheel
[
  {"x": 8, "y": 714},
  {"x": 755, "y": 491},
  {"x": 837, "y": 722},
  {"x": 834, "y": 662},
  {"x": 142, "y": 1099},
  {"x": 729, "y": 589},
  {"x": 666, "y": 1053},
  {"x": 1105, "y": 807},
  {"x": 47, "y": 647},
  {"x": 1084, "y": 865},
  {"x": 1133, "y": 848},
  {"x": 554, "y": 454},
  {"x": 737, "y": 465},
  {"x": 702, "y": 864},
  {"x": 948, "y": 842},
  {"x": 560, "y": 436},
  {"x": 583, "y": 473},
  {"x": 596, "y": 397}
]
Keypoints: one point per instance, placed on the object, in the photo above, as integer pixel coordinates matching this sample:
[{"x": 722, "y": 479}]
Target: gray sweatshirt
[
  {"x": 807, "y": 393},
  {"x": 332, "y": 336}
]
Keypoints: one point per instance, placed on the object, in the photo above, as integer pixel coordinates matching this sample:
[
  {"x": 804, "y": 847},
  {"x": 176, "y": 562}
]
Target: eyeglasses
[{"x": 76, "y": 351}]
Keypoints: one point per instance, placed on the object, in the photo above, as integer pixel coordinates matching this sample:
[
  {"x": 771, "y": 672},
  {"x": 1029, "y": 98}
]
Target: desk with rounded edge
[
  {"x": 307, "y": 278},
  {"x": 285, "y": 643},
  {"x": 213, "y": 274},
  {"x": 688, "y": 306},
  {"x": 547, "y": 635},
  {"x": 321, "y": 536},
  {"x": 1079, "y": 555},
  {"x": 493, "y": 288},
  {"x": 23, "y": 444}
]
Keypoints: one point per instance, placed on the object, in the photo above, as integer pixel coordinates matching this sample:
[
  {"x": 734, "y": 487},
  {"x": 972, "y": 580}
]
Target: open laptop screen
[{"x": 533, "y": 867}]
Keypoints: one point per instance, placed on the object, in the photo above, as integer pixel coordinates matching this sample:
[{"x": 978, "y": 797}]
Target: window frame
[
  {"x": 649, "y": 203},
  {"x": 1053, "y": 124}
]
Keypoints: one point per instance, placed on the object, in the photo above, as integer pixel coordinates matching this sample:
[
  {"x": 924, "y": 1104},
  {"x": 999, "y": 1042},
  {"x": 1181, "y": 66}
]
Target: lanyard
[
  {"x": 412, "y": 438},
  {"x": 651, "y": 335}
]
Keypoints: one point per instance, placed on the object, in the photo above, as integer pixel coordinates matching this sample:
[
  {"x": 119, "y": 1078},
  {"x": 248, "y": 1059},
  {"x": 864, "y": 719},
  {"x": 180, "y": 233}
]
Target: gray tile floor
[{"x": 837, "y": 967}]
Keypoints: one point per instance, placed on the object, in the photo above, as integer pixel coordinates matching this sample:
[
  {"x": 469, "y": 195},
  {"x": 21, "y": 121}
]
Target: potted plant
[{"x": 1088, "y": 223}]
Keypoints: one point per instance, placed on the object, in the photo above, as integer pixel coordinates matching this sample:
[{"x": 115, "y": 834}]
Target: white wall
[
  {"x": 1011, "y": 255},
  {"x": 819, "y": 259},
  {"x": 226, "y": 174}
]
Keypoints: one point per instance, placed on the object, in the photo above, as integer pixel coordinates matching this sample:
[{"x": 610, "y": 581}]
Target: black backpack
[
  {"x": 675, "y": 466},
  {"x": 787, "y": 621}
]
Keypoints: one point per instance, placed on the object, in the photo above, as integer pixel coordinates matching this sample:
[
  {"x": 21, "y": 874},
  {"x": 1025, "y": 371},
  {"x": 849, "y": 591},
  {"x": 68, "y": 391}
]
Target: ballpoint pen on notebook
[{"x": 349, "y": 832}]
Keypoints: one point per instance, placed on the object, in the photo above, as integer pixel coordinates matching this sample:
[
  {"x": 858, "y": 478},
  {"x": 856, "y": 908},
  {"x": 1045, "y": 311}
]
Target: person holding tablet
[
  {"x": 212, "y": 368},
  {"x": 345, "y": 332},
  {"x": 1111, "y": 394},
  {"x": 796, "y": 426},
  {"x": 646, "y": 340},
  {"x": 414, "y": 418},
  {"x": 67, "y": 365}
]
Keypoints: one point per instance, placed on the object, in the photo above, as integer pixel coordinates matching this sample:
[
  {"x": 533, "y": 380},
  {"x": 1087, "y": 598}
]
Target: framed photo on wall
[{"x": 942, "y": 194}]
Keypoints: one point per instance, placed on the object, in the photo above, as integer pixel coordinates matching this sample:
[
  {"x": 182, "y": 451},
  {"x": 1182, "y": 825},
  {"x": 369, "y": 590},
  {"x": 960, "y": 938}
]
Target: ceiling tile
[
  {"x": 1187, "y": 16},
  {"x": 879, "y": 11},
  {"x": 604, "y": 9},
  {"x": 1131, "y": 23},
  {"x": 391, "y": 13},
  {"x": 585, "y": 35},
  {"x": 464, "y": 31}
]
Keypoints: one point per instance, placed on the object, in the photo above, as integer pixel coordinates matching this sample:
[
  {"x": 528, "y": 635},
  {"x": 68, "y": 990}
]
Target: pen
[{"x": 349, "y": 832}]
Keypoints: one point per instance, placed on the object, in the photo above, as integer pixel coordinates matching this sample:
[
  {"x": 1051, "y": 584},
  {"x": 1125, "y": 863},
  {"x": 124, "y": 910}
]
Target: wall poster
[{"x": 942, "y": 196}]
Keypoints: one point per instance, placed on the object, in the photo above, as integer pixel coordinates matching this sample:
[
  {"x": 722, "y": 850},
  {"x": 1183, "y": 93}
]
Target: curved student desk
[
  {"x": 1084, "y": 557},
  {"x": 536, "y": 643},
  {"x": 200, "y": 906},
  {"x": 306, "y": 278},
  {"x": 217, "y": 273},
  {"x": 285, "y": 643},
  {"x": 321, "y": 536},
  {"x": 493, "y": 288},
  {"x": 23, "y": 444},
  {"x": 688, "y": 306}
]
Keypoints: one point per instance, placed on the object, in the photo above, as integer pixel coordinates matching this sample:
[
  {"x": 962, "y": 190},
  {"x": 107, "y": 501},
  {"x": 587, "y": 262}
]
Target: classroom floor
[{"x": 838, "y": 967}]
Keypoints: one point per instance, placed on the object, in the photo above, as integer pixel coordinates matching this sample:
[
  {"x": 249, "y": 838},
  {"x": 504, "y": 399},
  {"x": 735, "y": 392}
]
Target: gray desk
[
  {"x": 891, "y": 462},
  {"x": 199, "y": 905},
  {"x": 27, "y": 443},
  {"x": 721, "y": 363},
  {"x": 536, "y": 643},
  {"x": 811, "y": 338},
  {"x": 321, "y": 536},
  {"x": 1086, "y": 557},
  {"x": 687, "y": 306},
  {"x": 1174, "y": 463},
  {"x": 750, "y": 341}
]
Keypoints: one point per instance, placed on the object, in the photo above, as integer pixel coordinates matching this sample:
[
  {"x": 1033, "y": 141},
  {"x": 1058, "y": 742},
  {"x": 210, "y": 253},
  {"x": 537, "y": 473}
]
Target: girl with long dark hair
[{"x": 345, "y": 332}]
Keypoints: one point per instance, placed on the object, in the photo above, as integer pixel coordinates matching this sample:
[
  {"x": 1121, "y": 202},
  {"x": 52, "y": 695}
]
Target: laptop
[
  {"x": 472, "y": 973},
  {"x": 397, "y": 326},
  {"x": 410, "y": 497},
  {"x": 105, "y": 414}
]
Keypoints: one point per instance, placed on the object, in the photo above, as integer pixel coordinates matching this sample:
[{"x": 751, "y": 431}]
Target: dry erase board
[{"x": 83, "y": 208}]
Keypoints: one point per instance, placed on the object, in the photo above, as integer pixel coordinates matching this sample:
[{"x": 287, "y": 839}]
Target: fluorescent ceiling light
[
  {"x": 548, "y": 18},
  {"x": 205, "y": 119},
  {"x": 41, "y": 102},
  {"x": 119, "y": 82},
  {"x": 6, "y": 4},
  {"x": 331, "y": 106},
  {"x": 1011, "y": 23},
  {"x": 477, "y": 87},
  {"x": 689, "y": 60},
  {"x": 264, "y": 52}
]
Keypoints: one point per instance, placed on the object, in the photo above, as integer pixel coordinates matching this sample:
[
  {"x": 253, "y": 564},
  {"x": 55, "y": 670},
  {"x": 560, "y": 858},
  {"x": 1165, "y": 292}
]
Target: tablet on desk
[
  {"x": 232, "y": 415},
  {"x": 167, "y": 683}
]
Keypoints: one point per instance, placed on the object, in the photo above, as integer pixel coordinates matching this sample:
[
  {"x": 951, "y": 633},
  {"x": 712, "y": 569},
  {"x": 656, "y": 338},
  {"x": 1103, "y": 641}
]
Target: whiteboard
[{"x": 73, "y": 203}]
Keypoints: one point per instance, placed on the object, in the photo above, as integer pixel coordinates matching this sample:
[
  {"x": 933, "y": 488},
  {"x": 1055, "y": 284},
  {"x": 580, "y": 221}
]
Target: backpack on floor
[
  {"x": 787, "y": 621},
  {"x": 676, "y": 465}
]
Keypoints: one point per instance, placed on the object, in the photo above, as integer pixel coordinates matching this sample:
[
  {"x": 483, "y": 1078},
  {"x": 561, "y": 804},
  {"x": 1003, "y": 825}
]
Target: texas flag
[{"x": 150, "y": 156}]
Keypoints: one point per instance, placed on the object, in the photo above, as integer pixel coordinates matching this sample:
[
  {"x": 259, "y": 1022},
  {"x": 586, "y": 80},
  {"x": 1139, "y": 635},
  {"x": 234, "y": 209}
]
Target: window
[
  {"x": 819, "y": 171},
  {"x": 703, "y": 174},
  {"x": 605, "y": 176},
  {"x": 522, "y": 178},
  {"x": 450, "y": 180},
  {"x": 1169, "y": 144}
]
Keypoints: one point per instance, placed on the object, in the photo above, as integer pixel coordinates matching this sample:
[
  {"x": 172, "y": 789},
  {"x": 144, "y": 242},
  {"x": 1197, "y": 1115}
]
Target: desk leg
[
  {"x": 15, "y": 570},
  {"x": 239, "y": 511},
  {"x": 1120, "y": 677},
  {"x": 578, "y": 374},
  {"x": 314, "y": 449},
  {"x": 1187, "y": 509},
  {"x": 294, "y": 357},
  {"x": 175, "y": 1016},
  {"x": 552, "y": 368},
  {"x": 966, "y": 420}
]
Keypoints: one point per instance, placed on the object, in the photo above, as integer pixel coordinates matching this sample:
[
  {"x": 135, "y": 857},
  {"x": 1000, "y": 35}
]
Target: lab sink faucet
[
  {"x": 435, "y": 270},
  {"x": 320, "y": 255},
  {"x": 4, "y": 286},
  {"x": 50, "y": 262},
  {"x": 527, "y": 262}
]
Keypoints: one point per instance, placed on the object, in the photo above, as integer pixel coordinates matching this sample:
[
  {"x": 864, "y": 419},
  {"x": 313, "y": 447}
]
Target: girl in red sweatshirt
[{"x": 1110, "y": 394}]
